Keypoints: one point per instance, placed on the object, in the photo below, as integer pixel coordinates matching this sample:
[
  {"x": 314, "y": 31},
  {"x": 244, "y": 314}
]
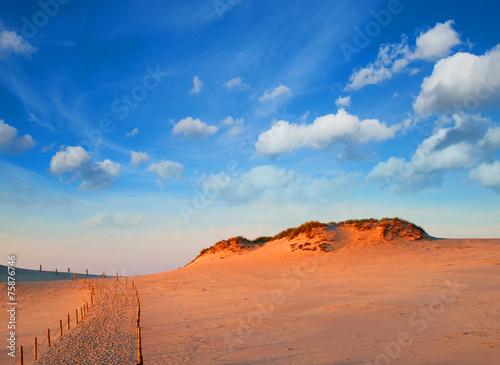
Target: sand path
[{"x": 106, "y": 335}]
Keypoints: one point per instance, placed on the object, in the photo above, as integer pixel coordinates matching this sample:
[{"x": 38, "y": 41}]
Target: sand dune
[
  {"x": 367, "y": 300},
  {"x": 363, "y": 296}
]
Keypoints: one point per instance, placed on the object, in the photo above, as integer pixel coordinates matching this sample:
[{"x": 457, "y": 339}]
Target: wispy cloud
[
  {"x": 236, "y": 83},
  {"x": 394, "y": 58},
  {"x": 117, "y": 220},
  {"x": 280, "y": 91},
  {"x": 197, "y": 85},
  {"x": 133, "y": 133},
  {"x": 13, "y": 43}
]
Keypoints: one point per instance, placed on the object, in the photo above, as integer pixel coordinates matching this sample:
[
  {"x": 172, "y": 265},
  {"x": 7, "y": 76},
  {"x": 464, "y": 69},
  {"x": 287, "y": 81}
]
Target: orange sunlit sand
[{"x": 369, "y": 292}]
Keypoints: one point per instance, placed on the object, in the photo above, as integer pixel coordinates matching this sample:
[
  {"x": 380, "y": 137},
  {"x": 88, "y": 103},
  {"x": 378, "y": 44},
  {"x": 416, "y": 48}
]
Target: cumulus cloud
[
  {"x": 11, "y": 142},
  {"x": 76, "y": 162},
  {"x": 272, "y": 183},
  {"x": 236, "y": 125},
  {"x": 487, "y": 175},
  {"x": 343, "y": 101},
  {"x": 197, "y": 85},
  {"x": 117, "y": 220},
  {"x": 136, "y": 158},
  {"x": 279, "y": 92},
  {"x": 194, "y": 128},
  {"x": 447, "y": 149},
  {"x": 133, "y": 133},
  {"x": 236, "y": 83},
  {"x": 166, "y": 170},
  {"x": 323, "y": 132},
  {"x": 462, "y": 81},
  {"x": 394, "y": 58},
  {"x": 437, "y": 42},
  {"x": 11, "y": 42}
]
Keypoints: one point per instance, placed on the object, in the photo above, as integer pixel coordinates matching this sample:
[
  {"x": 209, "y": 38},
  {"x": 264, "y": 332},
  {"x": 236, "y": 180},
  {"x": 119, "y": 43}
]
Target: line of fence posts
[
  {"x": 83, "y": 312},
  {"x": 138, "y": 327}
]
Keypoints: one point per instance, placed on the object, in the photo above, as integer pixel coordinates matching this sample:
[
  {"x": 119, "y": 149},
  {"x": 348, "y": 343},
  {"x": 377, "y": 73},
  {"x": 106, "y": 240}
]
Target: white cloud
[
  {"x": 447, "y": 149},
  {"x": 133, "y": 133},
  {"x": 76, "y": 162},
  {"x": 194, "y": 128},
  {"x": 11, "y": 142},
  {"x": 278, "y": 92},
  {"x": 323, "y": 132},
  {"x": 462, "y": 81},
  {"x": 49, "y": 147},
  {"x": 394, "y": 58},
  {"x": 343, "y": 101},
  {"x": 197, "y": 85},
  {"x": 487, "y": 175},
  {"x": 235, "y": 124},
  {"x": 166, "y": 170},
  {"x": 136, "y": 158},
  {"x": 437, "y": 42},
  {"x": 117, "y": 220},
  {"x": 236, "y": 83},
  {"x": 272, "y": 183},
  {"x": 72, "y": 158},
  {"x": 11, "y": 42}
]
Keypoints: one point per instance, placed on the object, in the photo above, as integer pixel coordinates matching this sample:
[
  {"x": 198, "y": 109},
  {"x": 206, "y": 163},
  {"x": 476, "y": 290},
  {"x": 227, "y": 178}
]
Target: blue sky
[{"x": 133, "y": 136}]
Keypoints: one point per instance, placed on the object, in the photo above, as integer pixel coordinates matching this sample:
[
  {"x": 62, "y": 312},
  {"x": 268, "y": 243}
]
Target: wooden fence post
[
  {"x": 56, "y": 271},
  {"x": 74, "y": 276},
  {"x": 81, "y": 313},
  {"x": 69, "y": 327},
  {"x": 139, "y": 347},
  {"x": 87, "y": 272},
  {"x": 116, "y": 276},
  {"x": 103, "y": 275},
  {"x": 40, "y": 267},
  {"x": 76, "y": 315},
  {"x": 60, "y": 328},
  {"x": 48, "y": 337},
  {"x": 21, "y": 355},
  {"x": 35, "y": 349}
]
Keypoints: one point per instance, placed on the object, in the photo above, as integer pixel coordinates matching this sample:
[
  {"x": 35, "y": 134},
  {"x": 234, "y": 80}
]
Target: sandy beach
[{"x": 365, "y": 301}]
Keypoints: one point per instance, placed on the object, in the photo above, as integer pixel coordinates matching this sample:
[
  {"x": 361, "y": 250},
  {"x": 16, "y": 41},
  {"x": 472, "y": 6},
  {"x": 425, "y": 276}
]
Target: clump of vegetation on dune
[
  {"x": 370, "y": 223},
  {"x": 303, "y": 228}
]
